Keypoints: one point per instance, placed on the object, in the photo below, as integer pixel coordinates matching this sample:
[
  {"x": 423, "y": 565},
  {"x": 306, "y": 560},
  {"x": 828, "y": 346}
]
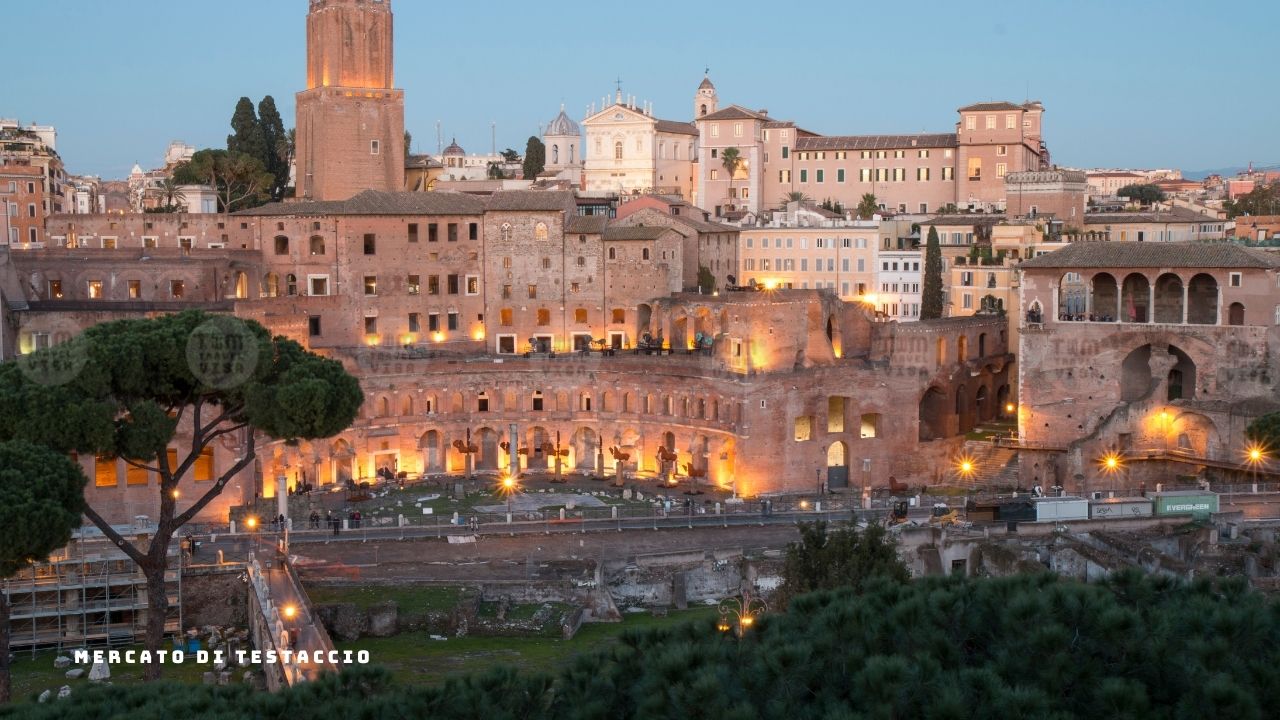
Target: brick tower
[{"x": 350, "y": 119}]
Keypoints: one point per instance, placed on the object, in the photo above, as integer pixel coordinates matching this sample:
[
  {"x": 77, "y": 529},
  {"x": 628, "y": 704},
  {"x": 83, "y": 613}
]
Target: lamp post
[
  {"x": 1112, "y": 463},
  {"x": 738, "y": 614}
]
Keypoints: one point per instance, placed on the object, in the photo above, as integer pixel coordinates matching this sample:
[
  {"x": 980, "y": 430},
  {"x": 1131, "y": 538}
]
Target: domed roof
[
  {"x": 454, "y": 148},
  {"x": 563, "y": 125},
  {"x": 706, "y": 84}
]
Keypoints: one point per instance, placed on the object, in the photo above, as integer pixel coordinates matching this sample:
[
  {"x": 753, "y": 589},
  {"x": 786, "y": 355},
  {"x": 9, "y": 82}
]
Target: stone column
[
  {"x": 1185, "y": 290},
  {"x": 1151, "y": 301},
  {"x": 1217, "y": 316}
]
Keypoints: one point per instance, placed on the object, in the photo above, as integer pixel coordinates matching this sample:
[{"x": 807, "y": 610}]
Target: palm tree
[
  {"x": 797, "y": 196},
  {"x": 171, "y": 194},
  {"x": 731, "y": 159},
  {"x": 867, "y": 206}
]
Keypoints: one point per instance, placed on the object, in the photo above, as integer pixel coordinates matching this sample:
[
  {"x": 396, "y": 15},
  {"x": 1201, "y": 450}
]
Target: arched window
[
  {"x": 617, "y": 150},
  {"x": 703, "y": 109},
  {"x": 540, "y": 231},
  {"x": 1235, "y": 314},
  {"x": 317, "y": 245},
  {"x": 291, "y": 284},
  {"x": 1202, "y": 300},
  {"x": 271, "y": 285},
  {"x": 613, "y": 253}
]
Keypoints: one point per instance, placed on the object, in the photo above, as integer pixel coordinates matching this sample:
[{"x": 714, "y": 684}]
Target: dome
[
  {"x": 562, "y": 125},
  {"x": 706, "y": 84},
  {"x": 454, "y": 148}
]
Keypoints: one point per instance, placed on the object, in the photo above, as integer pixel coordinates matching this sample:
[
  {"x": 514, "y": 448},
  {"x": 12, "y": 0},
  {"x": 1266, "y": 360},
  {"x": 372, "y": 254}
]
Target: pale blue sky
[{"x": 1175, "y": 83}]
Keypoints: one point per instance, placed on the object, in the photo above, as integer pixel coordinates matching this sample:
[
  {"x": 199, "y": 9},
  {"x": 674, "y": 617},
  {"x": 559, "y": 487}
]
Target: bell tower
[
  {"x": 350, "y": 119},
  {"x": 705, "y": 101}
]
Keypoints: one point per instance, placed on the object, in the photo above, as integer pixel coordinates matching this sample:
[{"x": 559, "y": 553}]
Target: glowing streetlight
[
  {"x": 1010, "y": 407},
  {"x": 1255, "y": 454},
  {"x": 251, "y": 523},
  {"x": 175, "y": 493},
  {"x": 290, "y": 611},
  {"x": 508, "y": 486},
  {"x": 739, "y": 613},
  {"x": 966, "y": 467}
]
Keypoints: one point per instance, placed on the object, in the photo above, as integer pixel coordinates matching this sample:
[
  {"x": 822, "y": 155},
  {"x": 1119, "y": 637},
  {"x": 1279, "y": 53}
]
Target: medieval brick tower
[{"x": 350, "y": 119}]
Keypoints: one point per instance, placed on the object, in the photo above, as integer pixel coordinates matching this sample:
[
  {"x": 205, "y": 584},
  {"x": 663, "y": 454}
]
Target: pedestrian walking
[{"x": 315, "y": 520}]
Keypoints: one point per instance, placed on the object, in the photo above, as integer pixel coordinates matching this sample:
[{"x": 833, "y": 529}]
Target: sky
[{"x": 1124, "y": 83}]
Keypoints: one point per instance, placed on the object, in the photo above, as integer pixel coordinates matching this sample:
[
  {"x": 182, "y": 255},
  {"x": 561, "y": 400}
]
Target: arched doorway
[
  {"x": 933, "y": 414},
  {"x": 429, "y": 444},
  {"x": 837, "y": 465},
  {"x": 1169, "y": 298},
  {"x": 1104, "y": 303},
  {"x": 1235, "y": 314},
  {"x": 1135, "y": 374},
  {"x": 980, "y": 400},
  {"x": 1135, "y": 299},
  {"x": 344, "y": 458},
  {"x": 585, "y": 445},
  {"x": 1202, "y": 300},
  {"x": 1182, "y": 376},
  {"x": 487, "y": 441}
]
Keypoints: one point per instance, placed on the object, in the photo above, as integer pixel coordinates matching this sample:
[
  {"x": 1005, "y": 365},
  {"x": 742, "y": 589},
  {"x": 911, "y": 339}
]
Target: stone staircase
[{"x": 993, "y": 466}]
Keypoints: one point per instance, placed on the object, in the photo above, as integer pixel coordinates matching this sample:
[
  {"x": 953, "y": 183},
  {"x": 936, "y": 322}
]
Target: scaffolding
[{"x": 90, "y": 595}]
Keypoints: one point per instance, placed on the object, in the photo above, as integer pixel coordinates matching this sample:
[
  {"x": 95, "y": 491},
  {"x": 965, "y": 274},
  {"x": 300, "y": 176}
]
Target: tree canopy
[
  {"x": 931, "y": 293},
  {"x": 868, "y": 206},
  {"x": 535, "y": 158},
  {"x": 239, "y": 179},
  {"x": 1262, "y": 200},
  {"x": 1145, "y": 193},
  {"x": 41, "y": 499},
  {"x": 1265, "y": 432},
  {"x": 826, "y": 559},
  {"x": 278, "y": 150},
  {"x": 1029, "y": 646},
  {"x": 126, "y": 389}
]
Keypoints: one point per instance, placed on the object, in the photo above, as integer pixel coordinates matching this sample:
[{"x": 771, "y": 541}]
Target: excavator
[{"x": 944, "y": 515}]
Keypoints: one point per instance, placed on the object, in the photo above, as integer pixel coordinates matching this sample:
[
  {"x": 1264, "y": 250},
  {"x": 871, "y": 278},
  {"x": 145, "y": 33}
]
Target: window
[
  {"x": 580, "y": 315},
  {"x": 533, "y": 292},
  {"x": 135, "y": 290},
  {"x": 55, "y": 289},
  {"x": 975, "y": 168},
  {"x": 1010, "y": 122},
  {"x": 433, "y": 232},
  {"x": 817, "y": 175},
  {"x": 413, "y": 232},
  {"x": 370, "y": 244},
  {"x": 453, "y": 232},
  {"x": 804, "y": 175},
  {"x": 613, "y": 253},
  {"x": 922, "y": 173},
  {"x": 619, "y": 315},
  {"x": 370, "y": 284},
  {"x": 282, "y": 245},
  {"x": 319, "y": 284},
  {"x": 784, "y": 176},
  {"x": 1002, "y": 150},
  {"x": 413, "y": 285},
  {"x": 452, "y": 282},
  {"x": 453, "y": 321},
  {"x": 313, "y": 326},
  {"x": 176, "y": 288},
  {"x": 1000, "y": 169},
  {"x": 1234, "y": 279},
  {"x": 375, "y": 147},
  {"x": 840, "y": 175},
  {"x": 546, "y": 263},
  {"x": 317, "y": 245},
  {"x": 433, "y": 322},
  {"x": 582, "y": 262},
  {"x": 948, "y": 173},
  {"x": 617, "y": 150},
  {"x": 786, "y": 152},
  {"x": 715, "y": 174},
  {"x": 544, "y": 316},
  {"x": 737, "y": 129},
  {"x": 803, "y": 429},
  {"x": 991, "y": 122},
  {"x": 371, "y": 325},
  {"x": 644, "y": 253},
  {"x": 970, "y": 122},
  {"x": 433, "y": 284},
  {"x": 540, "y": 231}
]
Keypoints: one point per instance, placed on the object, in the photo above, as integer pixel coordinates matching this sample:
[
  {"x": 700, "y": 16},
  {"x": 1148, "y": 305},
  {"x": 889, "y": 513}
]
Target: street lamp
[
  {"x": 1112, "y": 463},
  {"x": 507, "y": 486},
  {"x": 966, "y": 467},
  {"x": 738, "y": 614}
]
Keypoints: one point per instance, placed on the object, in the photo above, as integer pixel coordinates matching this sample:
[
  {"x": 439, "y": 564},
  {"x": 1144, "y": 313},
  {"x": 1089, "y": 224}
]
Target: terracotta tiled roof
[
  {"x": 675, "y": 126},
  {"x": 1172, "y": 215},
  {"x": 876, "y": 142},
  {"x": 1001, "y": 105},
  {"x": 635, "y": 232},
  {"x": 374, "y": 202},
  {"x": 586, "y": 224},
  {"x": 531, "y": 200},
  {"x": 735, "y": 112},
  {"x": 1152, "y": 255}
]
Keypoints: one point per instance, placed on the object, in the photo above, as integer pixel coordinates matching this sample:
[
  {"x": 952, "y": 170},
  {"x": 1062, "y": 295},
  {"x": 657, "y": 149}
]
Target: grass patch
[
  {"x": 414, "y": 599},
  {"x": 414, "y": 658},
  {"x": 32, "y": 675}
]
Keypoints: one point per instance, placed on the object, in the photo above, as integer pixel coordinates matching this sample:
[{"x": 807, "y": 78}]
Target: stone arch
[
  {"x": 1197, "y": 434},
  {"x": 535, "y": 438},
  {"x": 1002, "y": 400},
  {"x": 982, "y": 403},
  {"x": 1202, "y": 300},
  {"x": 1071, "y": 295},
  {"x": 942, "y": 352},
  {"x": 1135, "y": 298},
  {"x": 1181, "y": 380},
  {"x": 486, "y": 439},
  {"x": 1135, "y": 374},
  {"x": 241, "y": 285},
  {"x": 1235, "y": 313},
  {"x": 384, "y": 406},
  {"x": 933, "y": 414},
  {"x": 607, "y": 402},
  {"x": 585, "y": 444},
  {"x": 270, "y": 285},
  {"x": 406, "y": 405},
  {"x": 1104, "y": 297},
  {"x": 343, "y": 457},
  {"x": 838, "y": 454},
  {"x": 429, "y": 444},
  {"x": 964, "y": 410},
  {"x": 455, "y": 403},
  {"x": 962, "y": 348},
  {"x": 679, "y": 337},
  {"x": 1169, "y": 306},
  {"x": 290, "y": 284},
  {"x": 644, "y": 317}
]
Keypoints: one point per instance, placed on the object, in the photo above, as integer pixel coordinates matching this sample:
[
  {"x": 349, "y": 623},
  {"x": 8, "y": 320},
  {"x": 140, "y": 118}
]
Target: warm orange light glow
[
  {"x": 1010, "y": 407},
  {"x": 290, "y": 611},
  {"x": 251, "y": 523},
  {"x": 1255, "y": 454},
  {"x": 175, "y": 493},
  {"x": 437, "y": 336},
  {"x": 508, "y": 482},
  {"x": 770, "y": 284},
  {"x": 747, "y": 621},
  {"x": 869, "y": 298},
  {"x": 408, "y": 339},
  {"x": 371, "y": 339},
  {"x": 1112, "y": 462},
  {"x": 478, "y": 334},
  {"x": 966, "y": 466}
]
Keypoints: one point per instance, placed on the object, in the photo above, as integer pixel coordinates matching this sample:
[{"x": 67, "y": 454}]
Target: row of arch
[
  {"x": 948, "y": 412},
  {"x": 1136, "y": 299},
  {"x": 409, "y": 404}
]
